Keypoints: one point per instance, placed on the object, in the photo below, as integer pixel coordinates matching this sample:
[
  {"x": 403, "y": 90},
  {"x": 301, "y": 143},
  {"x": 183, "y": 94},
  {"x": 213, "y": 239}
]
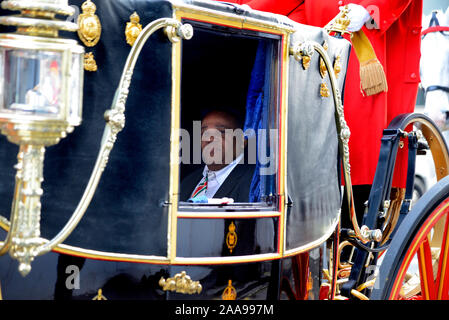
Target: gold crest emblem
[
  {"x": 89, "y": 62},
  {"x": 337, "y": 66},
  {"x": 324, "y": 90},
  {"x": 231, "y": 237},
  {"x": 89, "y": 26},
  {"x": 133, "y": 29},
  {"x": 229, "y": 292}
]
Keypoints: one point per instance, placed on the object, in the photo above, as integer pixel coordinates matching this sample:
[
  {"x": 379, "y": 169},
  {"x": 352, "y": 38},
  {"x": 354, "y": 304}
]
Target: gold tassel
[{"x": 372, "y": 75}]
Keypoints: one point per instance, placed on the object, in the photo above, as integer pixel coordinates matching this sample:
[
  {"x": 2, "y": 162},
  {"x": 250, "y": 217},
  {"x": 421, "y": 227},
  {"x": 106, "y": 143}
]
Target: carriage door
[{"x": 233, "y": 72}]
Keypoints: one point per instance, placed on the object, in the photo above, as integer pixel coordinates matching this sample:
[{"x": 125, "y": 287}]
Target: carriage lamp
[{"x": 41, "y": 79}]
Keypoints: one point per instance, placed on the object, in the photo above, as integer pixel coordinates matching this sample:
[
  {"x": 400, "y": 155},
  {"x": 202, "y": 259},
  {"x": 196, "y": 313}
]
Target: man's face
[{"x": 219, "y": 140}]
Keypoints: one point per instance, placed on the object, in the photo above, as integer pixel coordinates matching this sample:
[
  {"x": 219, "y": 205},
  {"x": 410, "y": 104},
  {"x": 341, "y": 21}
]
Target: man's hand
[{"x": 358, "y": 16}]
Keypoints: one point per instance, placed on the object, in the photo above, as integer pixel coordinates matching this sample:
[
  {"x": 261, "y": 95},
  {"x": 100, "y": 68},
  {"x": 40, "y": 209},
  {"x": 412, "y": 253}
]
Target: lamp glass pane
[
  {"x": 75, "y": 93},
  {"x": 32, "y": 82}
]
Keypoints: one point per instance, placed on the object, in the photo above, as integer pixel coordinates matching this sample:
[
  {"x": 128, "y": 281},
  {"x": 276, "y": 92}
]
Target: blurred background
[
  {"x": 425, "y": 171},
  {"x": 428, "y": 7}
]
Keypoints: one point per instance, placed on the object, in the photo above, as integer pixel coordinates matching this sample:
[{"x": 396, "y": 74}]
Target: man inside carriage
[{"x": 226, "y": 174}]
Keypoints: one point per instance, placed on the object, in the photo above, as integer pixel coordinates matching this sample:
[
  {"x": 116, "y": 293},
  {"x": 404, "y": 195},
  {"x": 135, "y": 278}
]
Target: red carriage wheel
[
  {"x": 416, "y": 266},
  {"x": 407, "y": 267}
]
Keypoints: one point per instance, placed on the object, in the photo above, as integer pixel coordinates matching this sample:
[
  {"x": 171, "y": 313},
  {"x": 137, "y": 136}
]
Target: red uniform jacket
[{"x": 396, "y": 40}]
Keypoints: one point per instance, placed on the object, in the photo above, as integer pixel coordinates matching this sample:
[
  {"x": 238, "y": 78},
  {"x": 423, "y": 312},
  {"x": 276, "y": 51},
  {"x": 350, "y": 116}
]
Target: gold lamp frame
[{"x": 37, "y": 32}]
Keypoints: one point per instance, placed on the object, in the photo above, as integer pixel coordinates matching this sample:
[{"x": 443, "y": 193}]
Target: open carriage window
[{"x": 229, "y": 118}]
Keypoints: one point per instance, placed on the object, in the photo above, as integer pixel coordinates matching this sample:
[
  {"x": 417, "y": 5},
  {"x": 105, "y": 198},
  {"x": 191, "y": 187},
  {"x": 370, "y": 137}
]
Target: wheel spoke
[
  {"x": 430, "y": 247},
  {"x": 426, "y": 271},
  {"x": 443, "y": 269}
]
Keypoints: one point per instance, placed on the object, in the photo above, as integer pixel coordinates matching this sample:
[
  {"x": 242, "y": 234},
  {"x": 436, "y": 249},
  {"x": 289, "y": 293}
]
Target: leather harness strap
[{"x": 412, "y": 149}]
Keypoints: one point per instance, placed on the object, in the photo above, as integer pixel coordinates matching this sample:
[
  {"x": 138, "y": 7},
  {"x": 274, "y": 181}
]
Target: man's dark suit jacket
[{"x": 236, "y": 185}]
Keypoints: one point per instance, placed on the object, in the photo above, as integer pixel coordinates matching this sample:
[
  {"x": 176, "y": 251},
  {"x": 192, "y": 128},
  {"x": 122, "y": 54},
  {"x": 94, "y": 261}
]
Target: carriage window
[{"x": 229, "y": 118}]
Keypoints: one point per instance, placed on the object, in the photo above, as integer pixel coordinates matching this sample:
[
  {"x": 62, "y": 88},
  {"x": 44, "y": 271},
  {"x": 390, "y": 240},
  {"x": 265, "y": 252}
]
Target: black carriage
[{"x": 158, "y": 66}]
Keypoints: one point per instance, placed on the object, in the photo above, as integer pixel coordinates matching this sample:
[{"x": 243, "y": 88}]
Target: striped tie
[{"x": 201, "y": 187}]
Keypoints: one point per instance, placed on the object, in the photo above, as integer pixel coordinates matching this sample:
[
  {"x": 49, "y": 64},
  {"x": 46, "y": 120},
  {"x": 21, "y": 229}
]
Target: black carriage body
[{"x": 124, "y": 243}]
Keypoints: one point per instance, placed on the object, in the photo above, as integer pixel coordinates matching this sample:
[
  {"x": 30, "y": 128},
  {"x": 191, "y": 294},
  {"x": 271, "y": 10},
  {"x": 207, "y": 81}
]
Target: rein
[{"x": 434, "y": 88}]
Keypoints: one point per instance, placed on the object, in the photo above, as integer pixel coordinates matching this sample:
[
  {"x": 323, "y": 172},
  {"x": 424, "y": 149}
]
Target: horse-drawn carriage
[{"x": 130, "y": 236}]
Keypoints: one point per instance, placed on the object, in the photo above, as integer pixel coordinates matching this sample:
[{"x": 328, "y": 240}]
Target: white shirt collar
[{"x": 216, "y": 178}]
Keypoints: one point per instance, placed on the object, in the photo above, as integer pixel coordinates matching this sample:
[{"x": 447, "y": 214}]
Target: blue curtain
[{"x": 257, "y": 114}]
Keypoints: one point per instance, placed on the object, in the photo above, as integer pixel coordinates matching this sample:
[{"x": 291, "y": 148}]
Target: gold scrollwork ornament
[
  {"x": 133, "y": 28},
  {"x": 231, "y": 237},
  {"x": 89, "y": 24},
  {"x": 89, "y": 62},
  {"x": 181, "y": 283}
]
